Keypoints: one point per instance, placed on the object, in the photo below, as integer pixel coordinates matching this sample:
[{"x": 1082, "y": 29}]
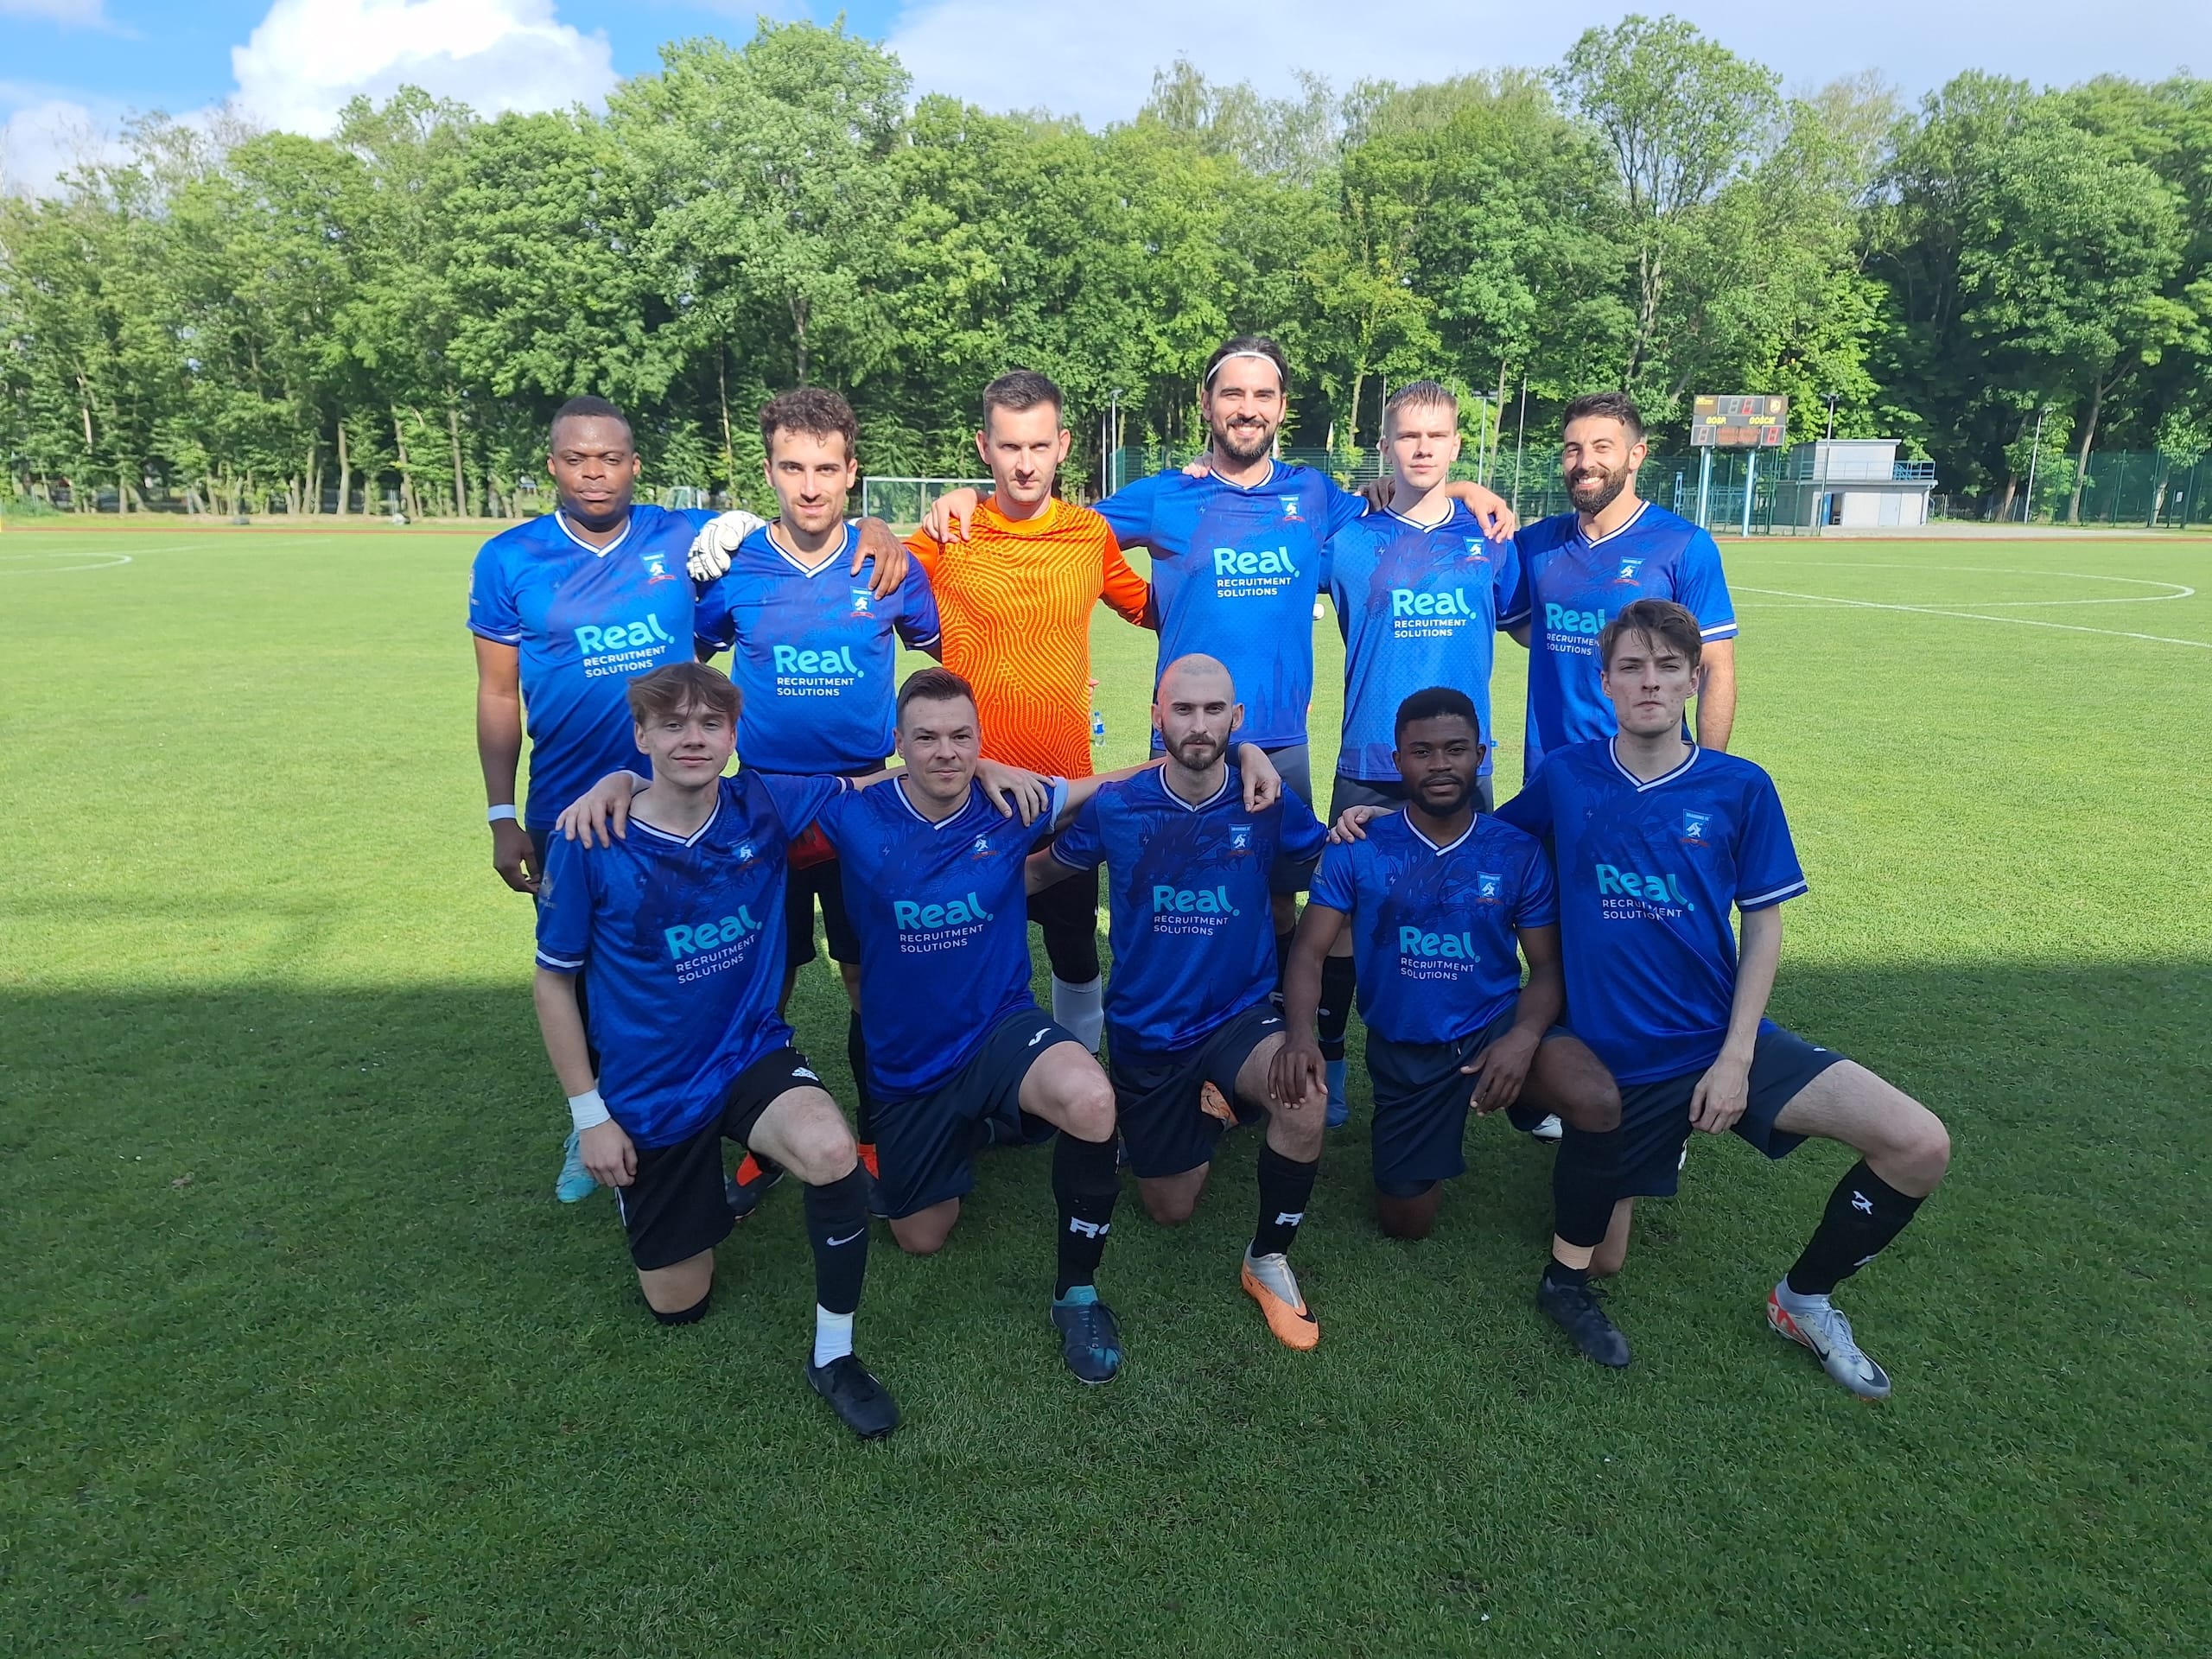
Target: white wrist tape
[
  {"x": 493, "y": 814},
  {"x": 588, "y": 1110}
]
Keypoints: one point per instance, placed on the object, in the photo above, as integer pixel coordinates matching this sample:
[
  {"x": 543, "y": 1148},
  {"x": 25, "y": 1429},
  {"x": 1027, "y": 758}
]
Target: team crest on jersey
[
  {"x": 743, "y": 853},
  {"x": 656, "y": 568},
  {"x": 1488, "y": 889},
  {"x": 1240, "y": 838},
  {"x": 1694, "y": 827},
  {"x": 982, "y": 848},
  {"x": 1628, "y": 568},
  {"x": 1475, "y": 553},
  {"x": 1289, "y": 509},
  {"x": 862, "y": 598}
]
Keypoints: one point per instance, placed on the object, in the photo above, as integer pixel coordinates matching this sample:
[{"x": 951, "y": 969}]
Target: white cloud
[
  {"x": 1098, "y": 59},
  {"x": 44, "y": 138},
  {"x": 307, "y": 57},
  {"x": 86, "y": 14}
]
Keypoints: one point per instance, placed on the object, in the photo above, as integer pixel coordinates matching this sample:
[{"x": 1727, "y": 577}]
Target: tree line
[{"x": 2002, "y": 276}]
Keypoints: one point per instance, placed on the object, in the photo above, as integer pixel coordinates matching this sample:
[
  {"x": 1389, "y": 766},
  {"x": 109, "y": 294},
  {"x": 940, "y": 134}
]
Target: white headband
[{"x": 1263, "y": 357}]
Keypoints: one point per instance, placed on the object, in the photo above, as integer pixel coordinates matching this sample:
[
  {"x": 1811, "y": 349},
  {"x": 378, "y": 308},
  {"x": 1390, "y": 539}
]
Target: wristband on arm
[
  {"x": 588, "y": 1110},
  {"x": 494, "y": 814}
]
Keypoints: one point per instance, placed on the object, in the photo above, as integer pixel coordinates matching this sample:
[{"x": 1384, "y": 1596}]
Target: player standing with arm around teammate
[
  {"x": 1436, "y": 897},
  {"x": 678, "y": 924},
  {"x": 1192, "y": 1032},
  {"x": 1655, "y": 840},
  {"x": 1015, "y": 599},
  {"x": 1420, "y": 594},
  {"x": 1580, "y": 569}
]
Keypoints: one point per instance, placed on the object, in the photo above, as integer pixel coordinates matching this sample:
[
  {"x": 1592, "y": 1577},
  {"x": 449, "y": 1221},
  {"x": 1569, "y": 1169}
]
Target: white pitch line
[
  {"x": 107, "y": 562},
  {"x": 1977, "y": 616}
]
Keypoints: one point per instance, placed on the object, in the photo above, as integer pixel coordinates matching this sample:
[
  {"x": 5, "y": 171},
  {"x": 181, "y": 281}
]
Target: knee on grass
[
  {"x": 1088, "y": 1111},
  {"x": 1595, "y": 1109},
  {"x": 1169, "y": 1209},
  {"x": 1406, "y": 1209}
]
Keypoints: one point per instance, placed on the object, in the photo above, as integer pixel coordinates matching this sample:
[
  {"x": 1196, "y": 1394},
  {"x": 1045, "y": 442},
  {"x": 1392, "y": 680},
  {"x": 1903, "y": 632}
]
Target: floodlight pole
[
  {"x": 1834, "y": 399},
  {"x": 1704, "y": 486},
  {"x": 1751, "y": 476},
  {"x": 1520, "y": 439}
]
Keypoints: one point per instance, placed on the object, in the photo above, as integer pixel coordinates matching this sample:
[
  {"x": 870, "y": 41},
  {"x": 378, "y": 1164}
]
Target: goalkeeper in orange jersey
[{"x": 1014, "y": 602}]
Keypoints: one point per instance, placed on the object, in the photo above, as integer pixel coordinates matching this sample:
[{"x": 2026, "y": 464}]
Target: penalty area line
[{"x": 1979, "y": 616}]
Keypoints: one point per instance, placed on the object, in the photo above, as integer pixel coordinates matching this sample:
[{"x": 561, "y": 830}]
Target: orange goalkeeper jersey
[{"x": 1014, "y": 603}]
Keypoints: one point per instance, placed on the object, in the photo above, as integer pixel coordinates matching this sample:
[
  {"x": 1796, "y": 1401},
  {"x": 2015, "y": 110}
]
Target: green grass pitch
[{"x": 301, "y": 1357}]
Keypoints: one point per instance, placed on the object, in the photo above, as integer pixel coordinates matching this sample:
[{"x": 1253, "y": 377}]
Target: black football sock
[
  {"x": 1865, "y": 1213},
  {"x": 1338, "y": 986},
  {"x": 1285, "y": 1188},
  {"x": 1556, "y": 1272},
  {"x": 856, "y": 1057},
  {"x": 1086, "y": 1184},
  {"x": 690, "y": 1315},
  {"x": 1586, "y": 1177},
  {"x": 1282, "y": 958},
  {"x": 836, "y": 1225}
]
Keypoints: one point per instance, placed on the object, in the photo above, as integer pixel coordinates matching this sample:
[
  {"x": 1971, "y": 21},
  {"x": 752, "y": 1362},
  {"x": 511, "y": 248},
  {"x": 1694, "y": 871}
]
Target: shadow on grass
[{"x": 303, "y": 1356}]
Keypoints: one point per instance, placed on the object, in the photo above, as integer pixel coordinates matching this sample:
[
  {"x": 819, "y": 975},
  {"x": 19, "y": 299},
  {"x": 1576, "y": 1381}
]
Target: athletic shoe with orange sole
[
  {"x": 1269, "y": 1280},
  {"x": 1216, "y": 1104},
  {"x": 748, "y": 1184}
]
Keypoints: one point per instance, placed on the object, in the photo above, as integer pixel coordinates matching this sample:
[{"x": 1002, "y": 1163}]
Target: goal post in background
[{"x": 903, "y": 500}]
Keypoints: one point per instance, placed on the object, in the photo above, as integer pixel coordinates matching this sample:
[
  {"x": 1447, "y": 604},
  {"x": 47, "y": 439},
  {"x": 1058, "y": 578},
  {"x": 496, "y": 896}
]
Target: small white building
[{"x": 1851, "y": 483}]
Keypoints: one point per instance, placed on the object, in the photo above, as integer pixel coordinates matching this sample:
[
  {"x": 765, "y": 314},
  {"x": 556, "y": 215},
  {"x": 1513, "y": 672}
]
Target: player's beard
[
  {"x": 1593, "y": 495},
  {"x": 1428, "y": 802},
  {"x": 1243, "y": 444},
  {"x": 1198, "y": 752}
]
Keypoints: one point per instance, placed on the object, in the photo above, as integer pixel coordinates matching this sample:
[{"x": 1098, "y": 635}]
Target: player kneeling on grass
[
  {"x": 679, "y": 925},
  {"x": 1656, "y": 839},
  {"x": 1437, "y": 896},
  {"x": 1193, "y": 870}
]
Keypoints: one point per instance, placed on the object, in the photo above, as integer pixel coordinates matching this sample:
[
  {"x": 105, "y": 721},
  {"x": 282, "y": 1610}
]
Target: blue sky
[{"x": 73, "y": 68}]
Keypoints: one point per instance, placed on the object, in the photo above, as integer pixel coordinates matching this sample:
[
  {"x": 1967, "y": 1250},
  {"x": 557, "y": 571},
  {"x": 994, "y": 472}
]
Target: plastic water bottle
[{"x": 1098, "y": 728}]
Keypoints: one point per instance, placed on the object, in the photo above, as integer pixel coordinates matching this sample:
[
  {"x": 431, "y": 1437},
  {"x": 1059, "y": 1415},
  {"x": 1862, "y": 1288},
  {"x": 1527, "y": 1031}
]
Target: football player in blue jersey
[
  {"x": 1237, "y": 545},
  {"x": 566, "y": 609},
  {"x": 1436, "y": 898},
  {"x": 1190, "y": 1027},
  {"x": 1579, "y": 570},
  {"x": 1657, "y": 839},
  {"x": 815, "y": 651},
  {"x": 957, "y": 1053},
  {"x": 679, "y": 925},
  {"x": 1420, "y": 593}
]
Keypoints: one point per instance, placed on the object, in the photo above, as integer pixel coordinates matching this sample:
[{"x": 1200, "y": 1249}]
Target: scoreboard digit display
[{"x": 1739, "y": 422}]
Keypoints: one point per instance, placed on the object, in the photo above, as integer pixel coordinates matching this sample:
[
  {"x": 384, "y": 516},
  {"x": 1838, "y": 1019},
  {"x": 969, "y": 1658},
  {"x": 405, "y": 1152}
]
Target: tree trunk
[
  {"x": 345, "y": 468},
  {"x": 406, "y": 472},
  {"x": 721, "y": 391},
  {"x": 2081, "y": 457},
  {"x": 2005, "y": 501},
  {"x": 798, "y": 323},
  {"x": 460, "y": 482}
]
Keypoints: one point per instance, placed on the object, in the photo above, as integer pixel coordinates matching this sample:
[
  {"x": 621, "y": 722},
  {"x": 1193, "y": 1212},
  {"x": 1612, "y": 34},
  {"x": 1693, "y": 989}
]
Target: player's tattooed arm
[
  {"x": 499, "y": 749},
  {"x": 1501, "y": 1069},
  {"x": 1724, "y": 1089},
  {"x": 1298, "y": 1070},
  {"x": 1351, "y": 823},
  {"x": 947, "y": 518},
  {"x": 601, "y": 816}
]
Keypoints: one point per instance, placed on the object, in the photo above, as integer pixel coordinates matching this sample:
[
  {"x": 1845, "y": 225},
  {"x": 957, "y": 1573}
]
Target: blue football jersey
[
  {"x": 944, "y": 923},
  {"x": 1235, "y": 573},
  {"x": 684, "y": 938},
  {"x": 585, "y": 621},
  {"x": 1418, "y": 606},
  {"x": 815, "y": 653},
  {"x": 1648, "y": 873},
  {"x": 1433, "y": 928},
  {"x": 1571, "y": 587},
  {"x": 1189, "y": 890}
]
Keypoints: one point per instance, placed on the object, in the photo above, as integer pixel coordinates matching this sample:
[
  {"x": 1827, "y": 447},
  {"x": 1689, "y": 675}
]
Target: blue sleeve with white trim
[
  {"x": 564, "y": 907},
  {"x": 1081, "y": 846},
  {"x": 1700, "y": 585},
  {"x": 1767, "y": 870},
  {"x": 491, "y": 611}
]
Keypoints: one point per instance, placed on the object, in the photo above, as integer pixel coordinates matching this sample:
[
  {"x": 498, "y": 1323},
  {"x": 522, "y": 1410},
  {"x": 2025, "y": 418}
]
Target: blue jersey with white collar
[
  {"x": 684, "y": 936},
  {"x": 1572, "y": 586},
  {"x": 815, "y": 653},
  {"x": 1648, "y": 873},
  {"x": 585, "y": 621},
  {"x": 1188, "y": 893},
  {"x": 1235, "y": 573},
  {"x": 1418, "y": 606},
  {"x": 943, "y": 916},
  {"x": 1434, "y": 928}
]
